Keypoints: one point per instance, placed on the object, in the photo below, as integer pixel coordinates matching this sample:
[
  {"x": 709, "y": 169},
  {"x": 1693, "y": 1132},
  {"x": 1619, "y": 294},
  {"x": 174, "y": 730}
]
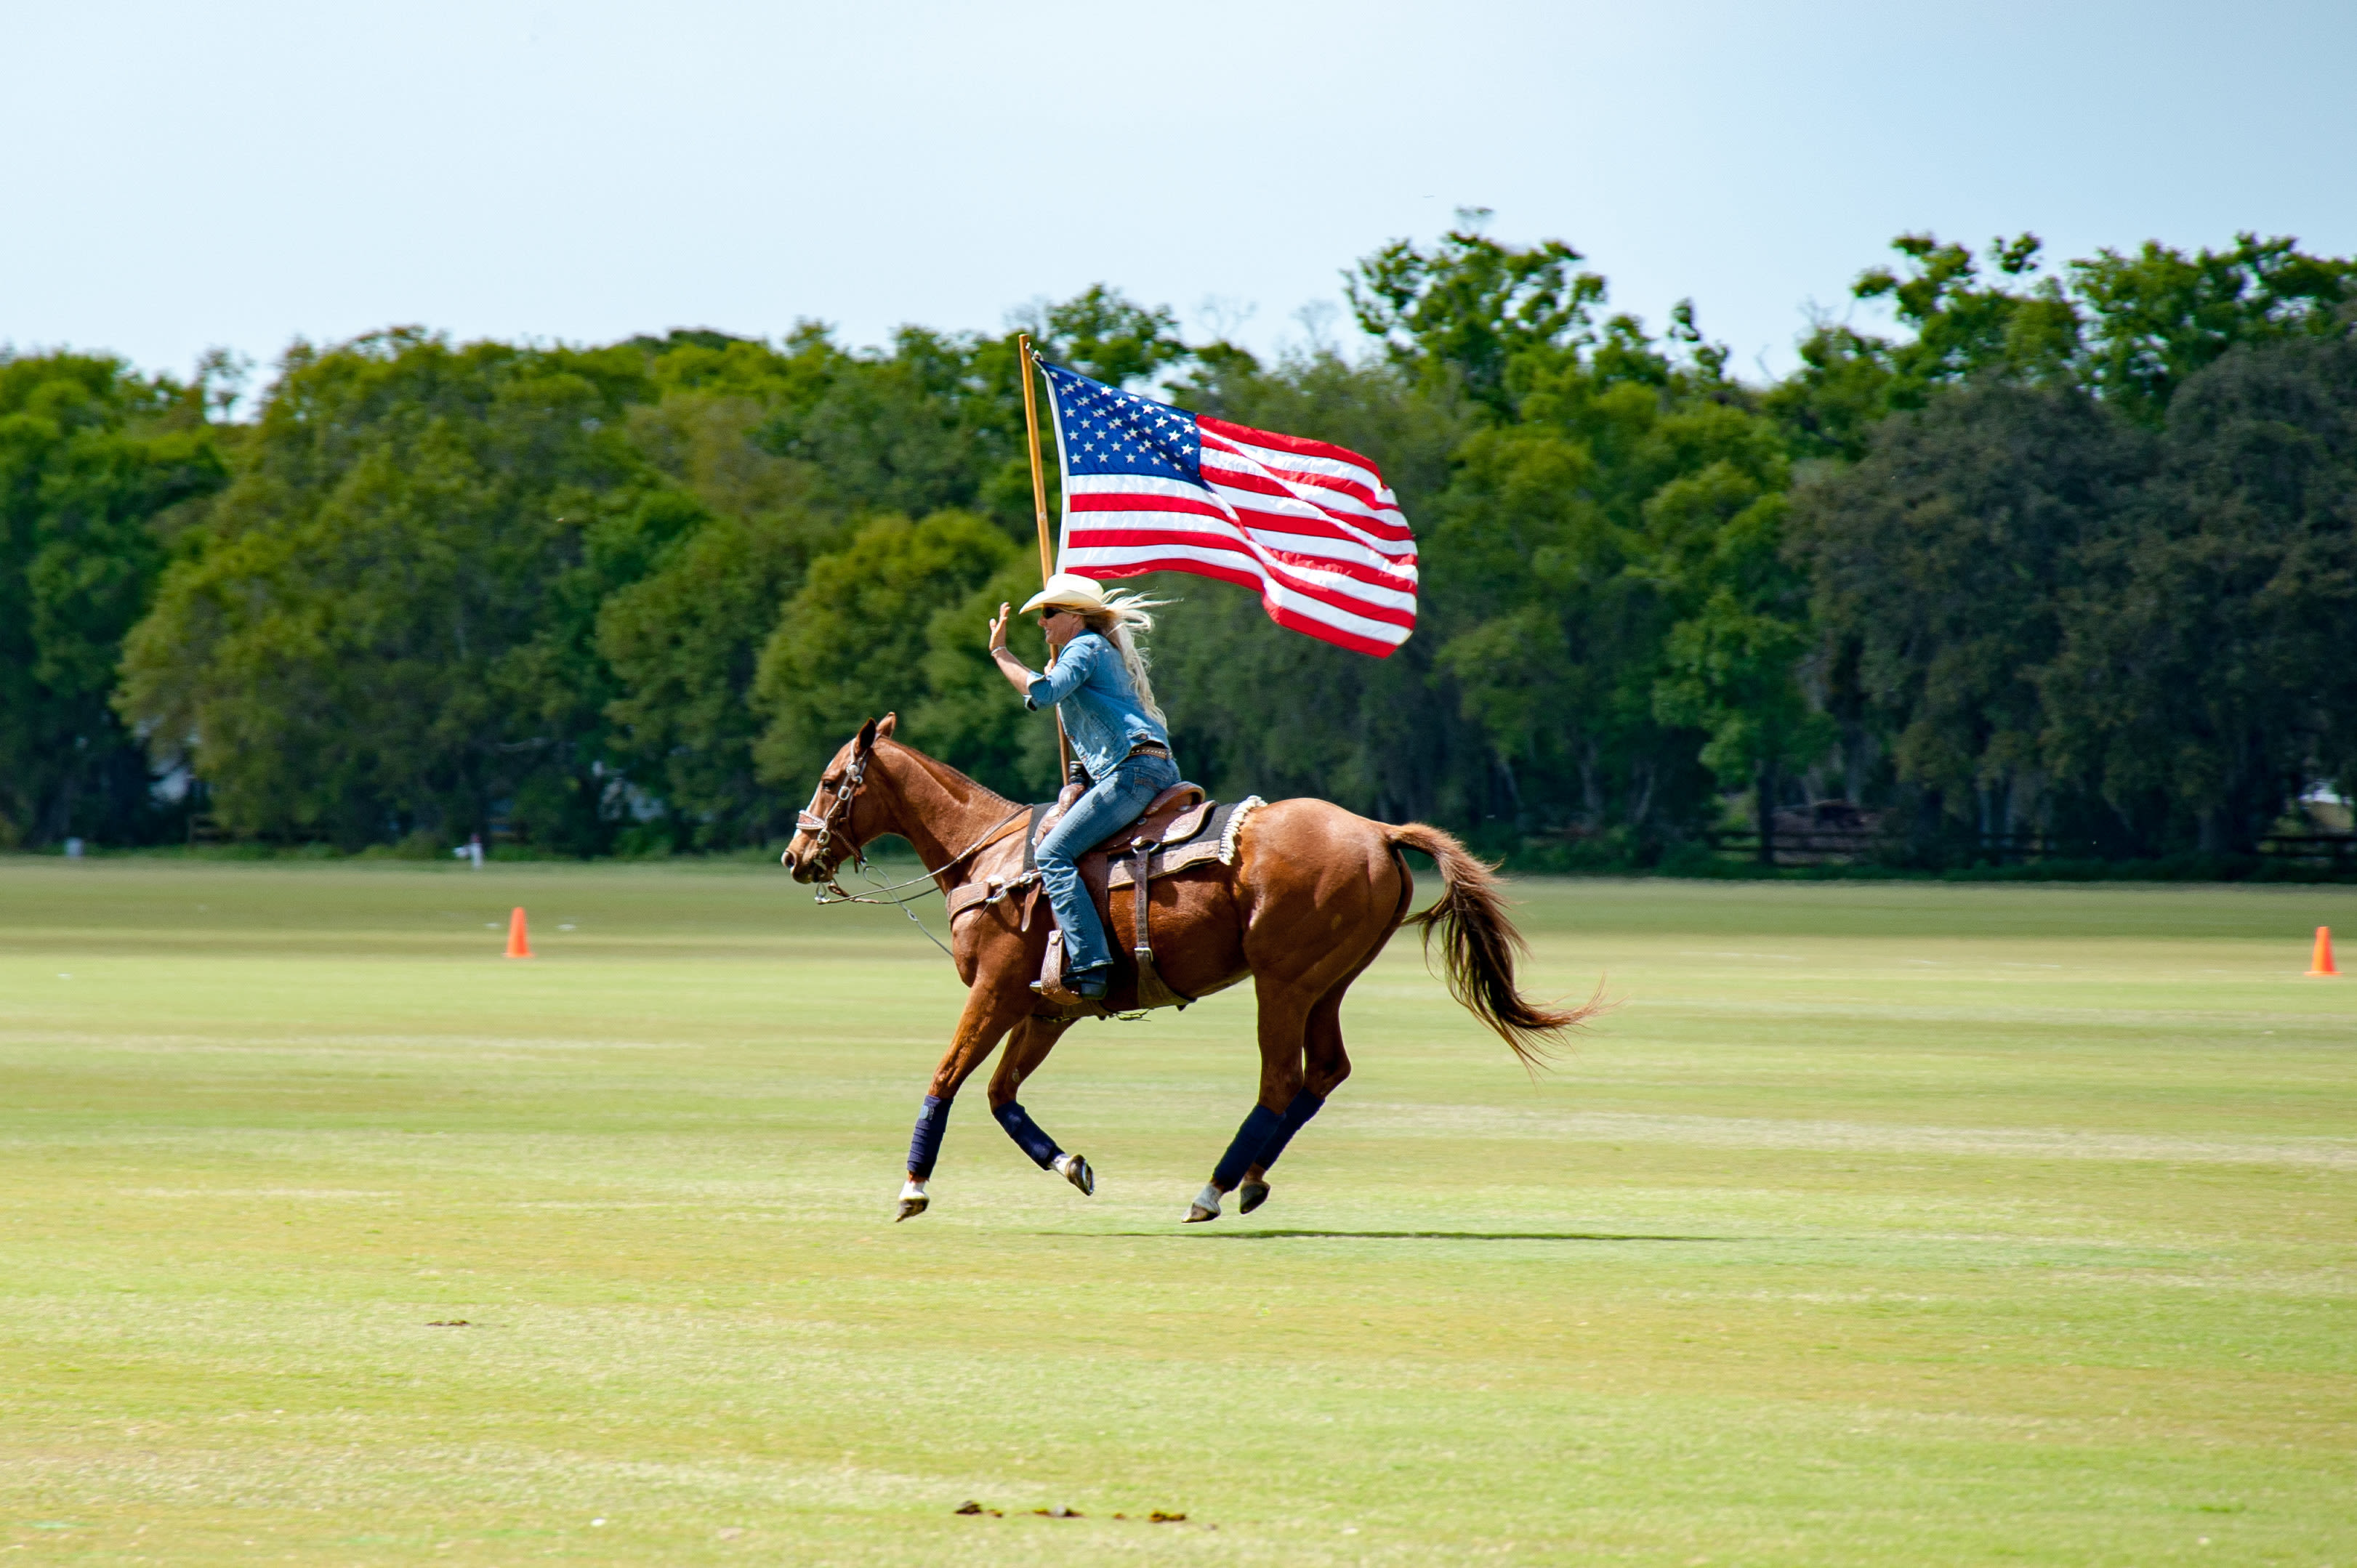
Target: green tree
[
  {"x": 855, "y": 641},
  {"x": 2131, "y": 327},
  {"x": 100, "y": 470},
  {"x": 1574, "y": 544},
  {"x": 2025, "y": 328},
  {"x": 2157, "y": 316},
  {"x": 964, "y": 712},
  {"x": 2204, "y": 678},
  {"x": 1104, "y": 335},
  {"x": 1964, "y": 328},
  {"x": 1731, "y": 661},
  {"x": 1468, "y": 306},
  {"x": 683, "y": 641},
  {"x": 385, "y": 623},
  {"x": 793, "y": 449},
  {"x": 936, "y": 423},
  {"x": 1940, "y": 565},
  {"x": 898, "y": 432}
]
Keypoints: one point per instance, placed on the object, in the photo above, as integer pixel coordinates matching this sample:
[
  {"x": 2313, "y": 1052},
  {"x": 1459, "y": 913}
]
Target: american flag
[{"x": 1312, "y": 527}]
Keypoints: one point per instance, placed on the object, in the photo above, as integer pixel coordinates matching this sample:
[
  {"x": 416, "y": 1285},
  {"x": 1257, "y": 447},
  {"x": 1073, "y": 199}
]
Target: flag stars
[{"x": 1107, "y": 430}]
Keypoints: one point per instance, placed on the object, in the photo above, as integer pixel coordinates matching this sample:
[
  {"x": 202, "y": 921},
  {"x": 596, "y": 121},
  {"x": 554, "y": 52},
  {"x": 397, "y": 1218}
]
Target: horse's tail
[{"x": 1480, "y": 947}]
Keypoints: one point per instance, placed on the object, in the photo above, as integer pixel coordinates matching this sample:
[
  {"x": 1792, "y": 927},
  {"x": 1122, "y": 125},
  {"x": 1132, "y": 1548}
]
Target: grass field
[{"x": 1880, "y": 1224}]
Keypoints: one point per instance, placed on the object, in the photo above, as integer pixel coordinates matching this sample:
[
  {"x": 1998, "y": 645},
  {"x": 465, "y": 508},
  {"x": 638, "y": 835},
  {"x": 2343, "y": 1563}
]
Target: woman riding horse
[
  {"x": 1096, "y": 679},
  {"x": 1301, "y": 904}
]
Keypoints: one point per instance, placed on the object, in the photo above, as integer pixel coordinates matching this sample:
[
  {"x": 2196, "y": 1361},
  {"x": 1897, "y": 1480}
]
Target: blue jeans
[{"x": 1110, "y": 804}]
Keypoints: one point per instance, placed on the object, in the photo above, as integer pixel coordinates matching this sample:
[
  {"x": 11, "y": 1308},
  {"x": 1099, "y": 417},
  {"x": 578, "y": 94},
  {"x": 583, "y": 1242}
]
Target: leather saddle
[
  {"x": 1174, "y": 814},
  {"x": 1179, "y": 828},
  {"x": 1177, "y": 815}
]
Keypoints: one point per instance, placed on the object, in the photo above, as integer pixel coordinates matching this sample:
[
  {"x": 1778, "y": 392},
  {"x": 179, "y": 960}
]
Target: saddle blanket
[{"x": 1211, "y": 836}]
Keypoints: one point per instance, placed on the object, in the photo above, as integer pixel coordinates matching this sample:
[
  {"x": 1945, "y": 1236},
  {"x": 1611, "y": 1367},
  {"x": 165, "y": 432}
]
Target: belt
[{"x": 1150, "y": 748}]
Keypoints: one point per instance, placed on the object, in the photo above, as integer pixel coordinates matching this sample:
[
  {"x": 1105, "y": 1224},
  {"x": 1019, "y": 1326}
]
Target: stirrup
[{"x": 1054, "y": 990}]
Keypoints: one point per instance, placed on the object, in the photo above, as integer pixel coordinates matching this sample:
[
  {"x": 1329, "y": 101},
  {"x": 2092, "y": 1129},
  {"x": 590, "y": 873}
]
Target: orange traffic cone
[
  {"x": 520, "y": 942},
  {"x": 2322, "y": 964}
]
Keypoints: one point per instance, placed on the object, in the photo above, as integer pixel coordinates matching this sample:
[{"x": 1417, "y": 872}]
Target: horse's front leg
[
  {"x": 1033, "y": 1038},
  {"x": 989, "y": 1012}
]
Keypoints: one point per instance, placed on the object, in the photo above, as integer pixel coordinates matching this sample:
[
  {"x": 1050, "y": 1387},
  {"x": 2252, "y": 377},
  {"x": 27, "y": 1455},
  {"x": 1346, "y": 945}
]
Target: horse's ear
[
  {"x": 867, "y": 739},
  {"x": 884, "y": 727}
]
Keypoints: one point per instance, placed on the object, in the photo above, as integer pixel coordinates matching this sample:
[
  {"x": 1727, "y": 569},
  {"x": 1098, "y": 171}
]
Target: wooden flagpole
[
  {"x": 1039, "y": 514},
  {"x": 1038, "y": 479}
]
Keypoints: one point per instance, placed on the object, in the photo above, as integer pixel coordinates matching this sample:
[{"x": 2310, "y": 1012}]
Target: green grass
[{"x": 1882, "y": 1223}]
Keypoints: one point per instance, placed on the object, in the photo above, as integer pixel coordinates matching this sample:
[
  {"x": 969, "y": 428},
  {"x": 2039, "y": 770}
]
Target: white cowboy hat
[{"x": 1070, "y": 591}]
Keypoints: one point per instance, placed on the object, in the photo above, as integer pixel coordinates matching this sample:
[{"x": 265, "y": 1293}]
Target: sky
[{"x": 182, "y": 176}]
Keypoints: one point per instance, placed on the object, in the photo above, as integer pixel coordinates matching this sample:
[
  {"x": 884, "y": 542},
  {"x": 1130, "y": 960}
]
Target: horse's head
[{"x": 844, "y": 815}]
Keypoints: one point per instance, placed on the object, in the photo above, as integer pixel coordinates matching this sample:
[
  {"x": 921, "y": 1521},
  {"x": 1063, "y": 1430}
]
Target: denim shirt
[{"x": 1091, "y": 688}]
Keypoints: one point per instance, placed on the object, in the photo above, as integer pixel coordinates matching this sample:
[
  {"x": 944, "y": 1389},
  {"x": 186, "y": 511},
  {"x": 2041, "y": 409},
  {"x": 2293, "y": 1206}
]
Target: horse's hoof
[
  {"x": 1076, "y": 1171},
  {"x": 1250, "y": 1195},
  {"x": 910, "y": 1208},
  {"x": 1197, "y": 1214}
]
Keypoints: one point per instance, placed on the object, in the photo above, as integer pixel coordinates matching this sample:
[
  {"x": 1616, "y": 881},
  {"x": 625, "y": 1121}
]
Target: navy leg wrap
[
  {"x": 1251, "y": 1139},
  {"x": 1028, "y": 1134},
  {"x": 1297, "y": 1116},
  {"x": 925, "y": 1143}
]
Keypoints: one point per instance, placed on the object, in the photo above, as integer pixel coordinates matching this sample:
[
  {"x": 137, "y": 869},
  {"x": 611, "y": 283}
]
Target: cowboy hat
[{"x": 1069, "y": 591}]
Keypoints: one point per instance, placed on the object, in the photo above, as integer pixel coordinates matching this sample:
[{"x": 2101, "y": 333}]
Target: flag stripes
[{"x": 1309, "y": 525}]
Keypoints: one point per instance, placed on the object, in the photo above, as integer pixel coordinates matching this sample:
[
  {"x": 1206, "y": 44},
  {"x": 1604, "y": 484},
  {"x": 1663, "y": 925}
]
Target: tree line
[{"x": 2072, "y": 552}]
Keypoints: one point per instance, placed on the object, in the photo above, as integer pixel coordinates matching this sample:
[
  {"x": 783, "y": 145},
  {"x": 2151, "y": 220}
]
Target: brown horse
[{"x": 1312, "y": 894}]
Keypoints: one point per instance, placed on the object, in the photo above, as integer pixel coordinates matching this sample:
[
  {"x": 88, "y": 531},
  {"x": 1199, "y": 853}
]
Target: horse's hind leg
[
  {"x": 1033, "y": 1038},
  {"x": 1326, "y": 1063},
  {"x": 1284, "y": 1013},
  {"x": 1300, "y": 986}
]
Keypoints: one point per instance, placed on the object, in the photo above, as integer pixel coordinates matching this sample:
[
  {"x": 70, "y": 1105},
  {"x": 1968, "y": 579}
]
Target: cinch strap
[
  {"x": 925, "y": 1143},
  {"x": 1027, "y": 1133},
  {"x": 1297, "y": 1116},
  {"x": 1244, "y": 1153}
]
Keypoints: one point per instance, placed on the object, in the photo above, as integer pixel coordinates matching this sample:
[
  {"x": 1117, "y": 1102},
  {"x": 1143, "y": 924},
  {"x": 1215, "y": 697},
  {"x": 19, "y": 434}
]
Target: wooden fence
[{"x": 2336, "y": 852}]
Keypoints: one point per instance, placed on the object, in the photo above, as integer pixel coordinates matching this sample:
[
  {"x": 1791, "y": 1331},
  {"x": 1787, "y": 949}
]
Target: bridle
[{"x": 821, "y": 825}]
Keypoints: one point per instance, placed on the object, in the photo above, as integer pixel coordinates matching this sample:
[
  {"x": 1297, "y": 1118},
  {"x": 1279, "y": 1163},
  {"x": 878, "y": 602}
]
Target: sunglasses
[{"x": 1052, "y": 611}]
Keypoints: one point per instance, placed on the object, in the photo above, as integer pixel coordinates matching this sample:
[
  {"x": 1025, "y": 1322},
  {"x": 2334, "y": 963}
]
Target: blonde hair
[{"x": 1126, "y": 616}]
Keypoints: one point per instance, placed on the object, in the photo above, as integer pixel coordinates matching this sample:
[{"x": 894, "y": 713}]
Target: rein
[
  {"x": 987, "y": 839},
  {"x": 821, "y": 830}
]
